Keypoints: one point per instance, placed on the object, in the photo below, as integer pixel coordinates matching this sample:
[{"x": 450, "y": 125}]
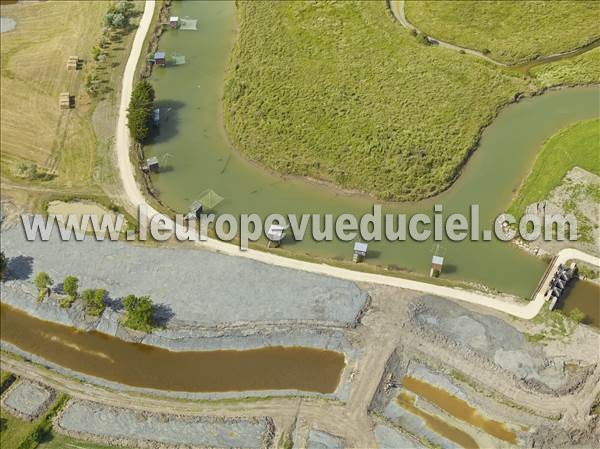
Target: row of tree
[
  {"x": 140, "y": 310},
  {"x": 141, "y": 111}
]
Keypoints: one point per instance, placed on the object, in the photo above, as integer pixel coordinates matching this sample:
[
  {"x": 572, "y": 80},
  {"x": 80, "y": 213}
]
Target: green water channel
[{"x": 199, "y": 157}]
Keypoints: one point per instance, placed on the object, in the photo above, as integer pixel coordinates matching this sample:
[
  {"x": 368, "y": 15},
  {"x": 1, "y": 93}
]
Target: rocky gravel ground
[
  {"x": 111, "y": 425},
  {"x": 323, "y": 440},
  {"x": 209, "y": 289},
  {"x": 390, "y": 438},
  {"x": 493, "y": 339},
  {"x": 27, "y": 400}
]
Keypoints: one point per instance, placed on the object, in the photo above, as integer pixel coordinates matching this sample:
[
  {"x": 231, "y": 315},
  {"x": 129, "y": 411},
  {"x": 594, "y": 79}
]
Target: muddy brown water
[
  {"x": 139, "y": 365},
  {"x": 585, "y": 296},
  {"x": 458, "y": 408},
  {"x": 407, "y": 401}
]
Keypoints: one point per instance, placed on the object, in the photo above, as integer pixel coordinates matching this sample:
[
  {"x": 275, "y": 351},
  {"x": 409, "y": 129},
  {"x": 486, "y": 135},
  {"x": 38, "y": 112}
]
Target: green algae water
[
  {"x": 139, "y": 365},
  {"x": 197, "y": 156}
]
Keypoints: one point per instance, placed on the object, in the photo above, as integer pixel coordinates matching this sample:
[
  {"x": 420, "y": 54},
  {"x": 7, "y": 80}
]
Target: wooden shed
[
  {"x": 160, "y": 58},
  {"x": 360, "y": 252},
  {"x": 275, "y": 235}
]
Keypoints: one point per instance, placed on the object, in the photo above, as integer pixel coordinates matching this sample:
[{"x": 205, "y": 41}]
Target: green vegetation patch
[
  {"x": 341, "y": 92},
  {"x": 584, "y": 68},
  {"x": 13, "y": 431},
  {"x": 57, "y": 441},
  {"x": 576, "y": 145},
  {"x": 510, "y": 31}
]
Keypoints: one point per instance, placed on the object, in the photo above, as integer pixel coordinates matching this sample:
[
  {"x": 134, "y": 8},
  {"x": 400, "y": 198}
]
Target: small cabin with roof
[
  {"x": 275, "y": 235},
  {"x": 360, "y": 252},
  {"x": 160, "y": 58},
  {"x": 152, "y": 164},
  {"x": 174, "y": 21},
  {"x": 196, "y": 210}
]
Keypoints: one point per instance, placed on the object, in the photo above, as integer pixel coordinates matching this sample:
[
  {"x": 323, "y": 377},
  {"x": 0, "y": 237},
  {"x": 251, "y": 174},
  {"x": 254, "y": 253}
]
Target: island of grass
[
  {"x": 341, "y": 92},
  {"x": 577, "y": 145},
  {"x": 509, "y": 31}
]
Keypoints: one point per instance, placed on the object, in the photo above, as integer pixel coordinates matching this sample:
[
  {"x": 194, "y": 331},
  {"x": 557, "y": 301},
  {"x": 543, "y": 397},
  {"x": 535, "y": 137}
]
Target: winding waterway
[
  {"x": 197, "y": 155},
  {"x": 139, "y": 365}
]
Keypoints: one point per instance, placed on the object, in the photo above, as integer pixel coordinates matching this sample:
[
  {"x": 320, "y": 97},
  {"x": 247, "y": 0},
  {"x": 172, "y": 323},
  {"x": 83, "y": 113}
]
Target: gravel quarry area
[
  {"x": 27, "y": 400},
  {"x": 197, "y": 286},
  {"x": 323, "y": 440},
  {"x": 492, "y": 339},
  {"x": 389, "y": 438},
  {"x": 454, "y": 348},
  {"x": 117, "y": 426}
]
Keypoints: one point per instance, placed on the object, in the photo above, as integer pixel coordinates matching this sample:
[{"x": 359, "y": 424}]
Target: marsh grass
[
  {"x": 339, "y": 91},
  {"x": 511, "y": 31}
]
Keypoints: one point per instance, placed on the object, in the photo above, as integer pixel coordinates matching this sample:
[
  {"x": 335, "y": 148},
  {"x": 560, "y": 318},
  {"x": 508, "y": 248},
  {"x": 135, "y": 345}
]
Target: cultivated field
[
  {"x": 341, "y": 92},
  {"x": 69, "y": 147},
  {"x": 511, "y": 31}
]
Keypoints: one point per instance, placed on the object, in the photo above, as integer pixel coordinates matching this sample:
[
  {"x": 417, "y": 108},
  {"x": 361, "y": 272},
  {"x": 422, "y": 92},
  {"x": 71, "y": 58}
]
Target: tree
[
  {"x": 43, "y": 283},
  {"x": 124, "y": 7},
  {"x": 141, "y": 108},
  {"x": 70, "y": 286},
  {"x": 140, "y": 312},
  {"x": 577, "y": 315},
  {"x": 119, "y": 20},
  {"x": 94, "y": 301}
]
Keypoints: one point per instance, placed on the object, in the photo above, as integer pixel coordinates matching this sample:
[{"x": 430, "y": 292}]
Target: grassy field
[
  {"x": 511, "y": 31},
  {"x": 584, "y": 68},
  {"x": 13, "y": 431},
  {"x": 69, "y": 147},
  {"x": 349, "y": 96},
  {"x": 58, "y": 441},
  {"x": 577, "y": 145}
]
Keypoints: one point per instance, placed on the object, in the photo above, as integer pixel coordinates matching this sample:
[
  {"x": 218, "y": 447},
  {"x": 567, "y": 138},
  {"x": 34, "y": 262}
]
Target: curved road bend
[
  {"x": 397, "y": 9},
  {"x": 503, "y": 303}
]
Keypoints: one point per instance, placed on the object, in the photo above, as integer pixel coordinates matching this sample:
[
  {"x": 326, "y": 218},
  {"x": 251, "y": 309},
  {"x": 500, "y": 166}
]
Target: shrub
[
  {"x": 140, "y": 313},
  {"x": 43, "y": 283},
  {"x": 2, "y": 264},
  {"x": 27, "y": 170},
  {"x": 67, "y": 302},
  {"x": 70, "y": 286},
  {"x": 422, "y": 39},
  {"x": 577, "y": 315},
  {"x": 94, "y": 301},
  {"x": 96, "y": 52}
]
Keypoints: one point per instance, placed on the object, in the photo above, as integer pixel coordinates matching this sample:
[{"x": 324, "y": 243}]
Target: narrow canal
[
  {"x": 138, "y": 365},
  {"x": 585, "y": 296},
  {"x": 458, "y": 408},
  {"x": 198, "y": 157}
]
